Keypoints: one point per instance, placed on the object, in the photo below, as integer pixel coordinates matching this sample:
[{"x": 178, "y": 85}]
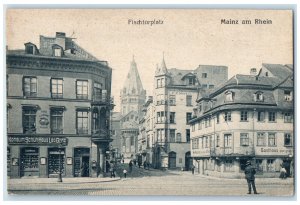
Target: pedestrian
[
  {"x": 107, "y": 166},
  {"x": 193, "y": 169},
  {"x": 123, "y": 160},
  {"x": 145, "y": 164},
  {"x": 139, "y": 163},
  {"x": 112, "y": 171},
  {"x": 130, "y": 166},
  {"x": 249, "y": 175},
  {"x": 124, "y": 173},
  {"x": 282, "y": 173}
]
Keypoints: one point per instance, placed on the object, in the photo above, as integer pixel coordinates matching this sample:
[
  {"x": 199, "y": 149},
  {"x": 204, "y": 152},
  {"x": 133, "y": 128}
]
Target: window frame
[
  {"x": 82, "y": 96},
  {"x": 82, "y": 130},
  {"x": 58, "y": 115},
  {"x": 31, "y": 93},
  {"x": 244, "y": 139},
  {"x": 57, "y": 85}
]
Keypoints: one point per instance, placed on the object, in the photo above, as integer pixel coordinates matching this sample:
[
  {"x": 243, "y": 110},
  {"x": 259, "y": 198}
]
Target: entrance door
[
  {"x": 172, "y": 160},
  {"x": 29, "y": 161},
  {"x": 81, "y": 162},
  {"x": 56, "y": 162},
  {"x": 188, "y": 161}
]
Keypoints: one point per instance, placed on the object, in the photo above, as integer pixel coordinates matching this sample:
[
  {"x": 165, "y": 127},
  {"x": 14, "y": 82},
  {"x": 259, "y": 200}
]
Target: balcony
[
  {"x": 101, "y": 135},
  {"x": 102, "y": 99}
]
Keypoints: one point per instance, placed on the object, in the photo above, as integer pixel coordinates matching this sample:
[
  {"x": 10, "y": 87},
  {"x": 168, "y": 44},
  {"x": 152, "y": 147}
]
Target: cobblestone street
[{"x": 153, "y": 183}]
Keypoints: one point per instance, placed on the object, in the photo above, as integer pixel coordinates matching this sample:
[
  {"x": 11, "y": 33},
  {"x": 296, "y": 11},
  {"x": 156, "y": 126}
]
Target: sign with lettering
[
  {"x": 38, "y": 140},
  {"x": 274, "y": 151}
]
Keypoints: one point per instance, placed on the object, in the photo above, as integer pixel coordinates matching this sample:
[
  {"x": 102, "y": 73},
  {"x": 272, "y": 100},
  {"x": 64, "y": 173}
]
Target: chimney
[
  {"x": 61, "y": 39},
  {"x": 253, "y": 71}
]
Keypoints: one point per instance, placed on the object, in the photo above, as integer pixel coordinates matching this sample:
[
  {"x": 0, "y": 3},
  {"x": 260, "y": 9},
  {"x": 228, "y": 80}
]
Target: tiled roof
[{"x": 280, "y": 71}]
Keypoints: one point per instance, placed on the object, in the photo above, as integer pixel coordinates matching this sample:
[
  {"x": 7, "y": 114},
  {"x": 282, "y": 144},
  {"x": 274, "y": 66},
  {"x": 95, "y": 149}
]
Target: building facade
[
  {"x": 133, "y": 98},
  {"x": 250, "y": 117},
  {"x": 58, "y": 110},
  {"x": 175, "y": 93}
]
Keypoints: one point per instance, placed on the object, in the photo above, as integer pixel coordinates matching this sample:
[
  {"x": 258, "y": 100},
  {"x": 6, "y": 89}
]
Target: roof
[{"x": 278, "y": 70}]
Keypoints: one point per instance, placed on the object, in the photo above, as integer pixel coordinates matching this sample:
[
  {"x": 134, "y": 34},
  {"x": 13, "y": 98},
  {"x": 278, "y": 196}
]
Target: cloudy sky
[{"x": 188, "y": 38}]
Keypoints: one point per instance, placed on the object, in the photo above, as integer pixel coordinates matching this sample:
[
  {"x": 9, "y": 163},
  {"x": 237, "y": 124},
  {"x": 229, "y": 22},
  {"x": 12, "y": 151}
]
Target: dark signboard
[{"x": 32, "y": 140}]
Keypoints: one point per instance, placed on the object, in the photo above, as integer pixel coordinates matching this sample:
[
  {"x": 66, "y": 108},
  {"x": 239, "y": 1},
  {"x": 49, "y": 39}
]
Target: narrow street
[{"x": 152, "y": 182}]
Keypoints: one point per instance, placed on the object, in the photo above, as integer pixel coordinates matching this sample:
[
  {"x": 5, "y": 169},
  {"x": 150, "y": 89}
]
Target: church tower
[{"x": 133, "y": 95}]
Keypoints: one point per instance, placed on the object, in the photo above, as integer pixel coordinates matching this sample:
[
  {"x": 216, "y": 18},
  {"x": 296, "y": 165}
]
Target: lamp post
[{"x": 59, "y": 169}]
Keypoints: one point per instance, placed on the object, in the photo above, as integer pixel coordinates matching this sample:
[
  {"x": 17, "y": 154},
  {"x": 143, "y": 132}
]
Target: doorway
[
  {"x": 188, "y": 161},
  {"x": 172, "y": 160},
  {"x": 81, "y": 162}
]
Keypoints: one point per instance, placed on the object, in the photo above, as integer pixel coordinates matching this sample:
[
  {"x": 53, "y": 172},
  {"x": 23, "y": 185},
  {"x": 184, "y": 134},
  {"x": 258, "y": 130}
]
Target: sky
[{"x": 187, "y": 38}]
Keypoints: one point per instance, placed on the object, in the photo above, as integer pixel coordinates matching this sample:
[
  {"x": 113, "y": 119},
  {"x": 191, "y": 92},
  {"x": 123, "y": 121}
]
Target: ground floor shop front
[
  {"x": 48, "y": 156},
  {"x": 233, "y": 167}
]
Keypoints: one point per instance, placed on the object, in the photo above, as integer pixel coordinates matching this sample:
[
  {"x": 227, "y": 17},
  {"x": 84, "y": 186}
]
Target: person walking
[
  {"x": 124, "y": 173},
  {"x": 282, "y": 172},
  {"x": 249, "y": 175},
  {"x": 193, "y": 169},
  {"x": 130, "y": 166}
]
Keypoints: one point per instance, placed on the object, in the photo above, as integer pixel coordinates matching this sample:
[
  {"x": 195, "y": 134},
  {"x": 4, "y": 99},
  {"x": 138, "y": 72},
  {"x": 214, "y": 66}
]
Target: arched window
[
  {"x": 229, "y": 96},
  {"x": 258, "y": 96}
]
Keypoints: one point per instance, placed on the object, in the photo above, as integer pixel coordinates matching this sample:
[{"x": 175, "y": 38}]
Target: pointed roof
[
  {"x": 133, "y": 84},
  {"x": 163, "y": 68}
]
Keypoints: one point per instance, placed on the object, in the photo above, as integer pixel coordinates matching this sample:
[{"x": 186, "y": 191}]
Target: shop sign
[
  {"x": 275, "y": 151},
  {"x": 38, "y": 140},
  {"x": 201, "y": 152}
]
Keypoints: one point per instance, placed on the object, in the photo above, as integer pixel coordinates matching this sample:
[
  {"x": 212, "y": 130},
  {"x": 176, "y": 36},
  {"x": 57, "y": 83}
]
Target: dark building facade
[{"x": 58, "y": 110}]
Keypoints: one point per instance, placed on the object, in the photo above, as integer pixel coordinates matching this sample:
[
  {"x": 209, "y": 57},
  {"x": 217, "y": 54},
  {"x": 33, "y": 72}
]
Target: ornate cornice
[{"x": 57, "y": 64}]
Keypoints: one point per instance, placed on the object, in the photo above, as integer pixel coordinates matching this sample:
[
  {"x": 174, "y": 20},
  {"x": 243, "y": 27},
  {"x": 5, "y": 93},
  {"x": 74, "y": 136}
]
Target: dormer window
[
  {"x": 30, "y": 48},
  {"x": 57, "y": 50},
  {"x": 267, "y": 74},
  {"x": 191, "y": 81},
  {"x": 229, "y": 96},
  {"x": 288, "y": 95},
  {"x": 258, "y": 96}
]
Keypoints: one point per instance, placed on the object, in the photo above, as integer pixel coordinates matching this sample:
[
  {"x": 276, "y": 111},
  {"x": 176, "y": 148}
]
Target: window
[
  {"x": 287, "y": 117},
  {"x": 82, "y": 122},
  {"x": 82, "y": 89},
  {"x": 189, "y": 100},
  {"x": 227, "y": 140},
  {"x": 218, "y": 118},
  {"x": 272, "y": 116},
  {"x": 172, "y": 135},
  {"x": 158, "y": 83},
  {"x": 193, "y": 127},
  {"x": 272, "y": 140},
  {"x": 98, "y": 92},
  {"x": 188, "y": 117},
  {"x": 204, "y": 75},
  {"x": 287, "y": 139},
  {"x": 199, "y": 125},
  {"x": 195, "y": 143},
  {"x": 260, "y": 116},
  {"x": 29, "y": 118},
  {"x": 288, "y": 95},
  {"x": 206, "y": 141},
  {"x": 200, "y": 107},
  {"x": 57, "y": 52},
  {"x": 244, "y": 139},
  {"x": 204, "y": 85},
  {"x": 267, "y": 74},
  {"x": 270, "y": 165},
  {"x": 95, "y": 121},
  {"x": 132, "y": 140},
  {"x": 244, "y": 116},
  {"x": 172, "y": 100},
  {"x": 202, "y": 142},
  {"x": 30, "y": 86},
  {"x": 211, "y": 86},
  {"x": 56, "y": 88},
  {"x": 178, "y": 137},
  {"x": 56, "y": 121},
  {"x": 172, "y": 117},
  {"x": 227, "y": 116},
  {"x": 161, "y": 117},
  {"x": 188, "y": 135},
  {"x": 218, "y": 141},
  {"x": 258, "y": 96},
  {"x": 191, "y": 81},
  {"x": 29, "y": 49},
  {"x": 162, "y": 82},
  {"x": 229, "y": 96},
  {"x": 261, "y": 139}
]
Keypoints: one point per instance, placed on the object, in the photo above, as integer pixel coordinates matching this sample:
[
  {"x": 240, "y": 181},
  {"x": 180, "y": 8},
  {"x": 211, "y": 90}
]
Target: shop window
[
  {"x": 244, "y": 116},
  {"x": 244, "y": 139},
  {"x": 261, "y": 139},
  {"x": 82, "y": 89},
  {"x": 82, "y": 121},
  {"x": 259, "y": 165},
  {"x": 228, "y": 166},
  {"x": 270, "y": 165},
  {"x": 56, "y": 121},
  {"x": 29, "y": 161},
  {"x": 8, "y": 161},
  {"x": 287, "y": 139},
  {"x": 30, "y": 86},
  {"x": 272, "y": 116},
  {"x": 288, "y": 117},
  {"x": 29, "y": 120},
  {"x": 56, "y": 161},
  {"x": 227, "y": 116},
  {"x": 260, "y": 116},
  {"x": 272, "y": 140}
]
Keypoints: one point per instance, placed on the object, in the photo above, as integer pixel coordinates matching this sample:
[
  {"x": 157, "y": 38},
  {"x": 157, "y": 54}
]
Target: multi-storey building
[
  {"x": 116, "y": 146},
  {"x": 250, "y": 117},
  {"x": 146, "y": 134},
  {"x": 132, "y": 100},
  {"x": 58, "y": 108},
  {"x": 175, "y": 93}
]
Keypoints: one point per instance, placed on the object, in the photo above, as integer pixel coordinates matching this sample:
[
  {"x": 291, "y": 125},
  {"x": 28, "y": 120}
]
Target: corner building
[
  {"x": 250, "y": 117},
  {"x": 58, "y": 108},
  {"x": 175, "y": 93}
]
